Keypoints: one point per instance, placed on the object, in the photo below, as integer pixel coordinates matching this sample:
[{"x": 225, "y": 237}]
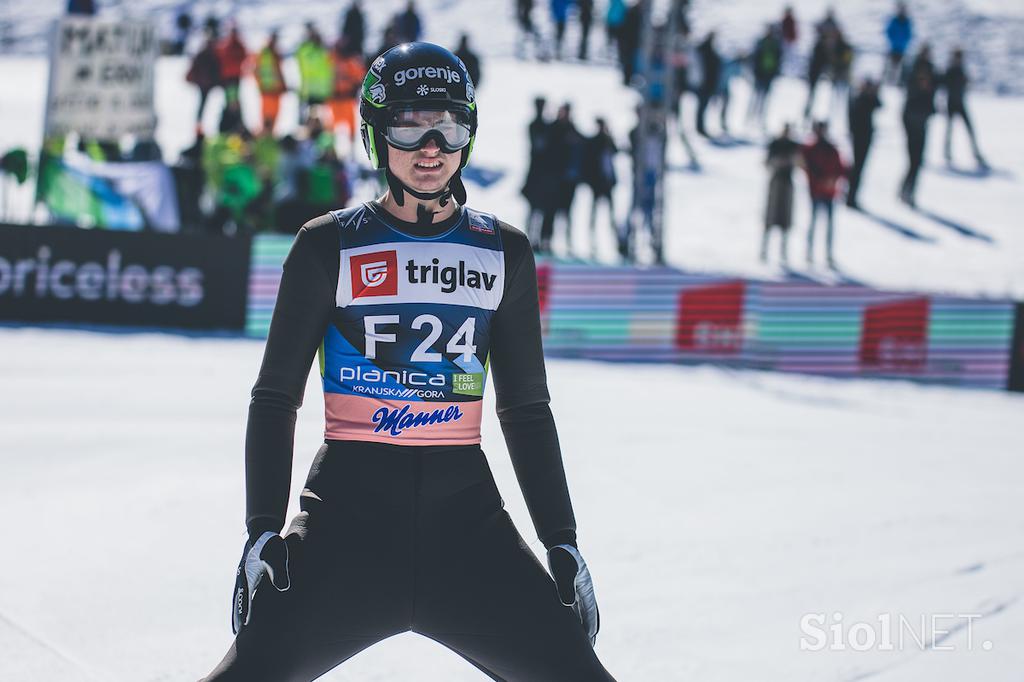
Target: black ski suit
[{"x": 393, "y": 538}]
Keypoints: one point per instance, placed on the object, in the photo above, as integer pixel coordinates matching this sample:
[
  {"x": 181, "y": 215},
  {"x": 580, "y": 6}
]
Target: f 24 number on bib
[{"x": 460, "y": 343}]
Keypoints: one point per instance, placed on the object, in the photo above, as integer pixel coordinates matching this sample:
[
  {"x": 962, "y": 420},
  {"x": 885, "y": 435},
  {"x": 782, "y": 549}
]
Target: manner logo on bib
[{"x": 374, "y": 274}]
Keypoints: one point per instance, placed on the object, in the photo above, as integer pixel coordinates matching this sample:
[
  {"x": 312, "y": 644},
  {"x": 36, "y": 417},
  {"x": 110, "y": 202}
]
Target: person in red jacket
[
  {"x": 204, "y": 72},
  {"x": 232, "y": 55},
  {"x": 824, "y": 169}
]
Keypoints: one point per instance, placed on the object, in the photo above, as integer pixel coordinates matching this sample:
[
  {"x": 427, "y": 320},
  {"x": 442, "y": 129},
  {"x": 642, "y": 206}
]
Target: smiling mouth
[{"x": 428, "y": 165}]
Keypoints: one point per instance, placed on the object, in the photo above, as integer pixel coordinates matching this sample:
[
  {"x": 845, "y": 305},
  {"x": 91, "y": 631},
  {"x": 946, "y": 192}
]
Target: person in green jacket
[{"x": 316, "y": 72}]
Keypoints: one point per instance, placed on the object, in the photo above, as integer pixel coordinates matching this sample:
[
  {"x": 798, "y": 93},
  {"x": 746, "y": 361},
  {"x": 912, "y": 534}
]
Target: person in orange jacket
[
  {"x": 232, "y": 55},
  {"x": 349, "y": 71},
  {"x": 266, "y": 69}
]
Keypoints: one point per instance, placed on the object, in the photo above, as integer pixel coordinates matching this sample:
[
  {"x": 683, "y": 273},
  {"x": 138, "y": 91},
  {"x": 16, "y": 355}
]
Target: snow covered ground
[{"x": 715, "y": 513}]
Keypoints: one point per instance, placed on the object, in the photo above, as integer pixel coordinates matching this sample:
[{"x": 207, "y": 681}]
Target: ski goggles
[{"x": 409, "y": 129}]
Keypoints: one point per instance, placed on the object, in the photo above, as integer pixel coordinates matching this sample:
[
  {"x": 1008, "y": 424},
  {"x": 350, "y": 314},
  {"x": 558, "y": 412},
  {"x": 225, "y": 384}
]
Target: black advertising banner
[
  {"x": 1015, "y": 382},
  {"x": 136, "y": 279}
]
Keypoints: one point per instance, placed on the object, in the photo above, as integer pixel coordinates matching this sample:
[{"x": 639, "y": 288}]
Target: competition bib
[{"x": 404, "y": 359}]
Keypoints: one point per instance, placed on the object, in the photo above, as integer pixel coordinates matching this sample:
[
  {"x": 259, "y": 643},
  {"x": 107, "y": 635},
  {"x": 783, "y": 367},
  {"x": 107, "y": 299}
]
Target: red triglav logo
[
  {"x": 894, "y": 336},
  {"x": 710, "y": 319},
  {"x": 374, "y": 274}
]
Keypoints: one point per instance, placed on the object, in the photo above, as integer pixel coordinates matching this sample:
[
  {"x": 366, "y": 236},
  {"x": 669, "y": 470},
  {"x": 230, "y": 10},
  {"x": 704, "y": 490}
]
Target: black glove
[
  {"x": 268, "y": 556},
  {"x": 575, "y": 588}
]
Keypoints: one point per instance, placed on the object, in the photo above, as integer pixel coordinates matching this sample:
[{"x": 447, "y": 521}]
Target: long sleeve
[
  {"x": 517, "y": 367},
  {"x": 301, "y": 314}
]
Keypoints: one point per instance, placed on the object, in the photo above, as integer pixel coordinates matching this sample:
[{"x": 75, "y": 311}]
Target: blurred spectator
[
  {"x": 586, "y": 17},
  {"x": 917, "y": 109},
  {"x": 731, "y": 67},
  {"x": 824, "y": 169},
  {"x": 182, "y": 29},
  {"x": 317, "y": 139},
  {"x": 629, "y": 41},
  {"x": 711, "y": 69},
  {"x": 862, "y": 129},
  {"x": 231, "y": 54},
  {"x": 783, "y": 157},
  {"x": 235, "y": 185},
  {"x": 349, "y": 71},
  {"x": 408, "y": 27},
  {"x": 82, "y": 7},
  {"x": 766, "y": 62},
  {"x": 144, "y": 150},
  {"x": 955, "y": 82},
  {"x": 559, "y": 16},
  {"x": 654, "y": 77},
  {"x": 353, "y": 28},
  {"x": 212, "y": 25},
  {"x": 821, "y": 57},
  {"x": 898, "y": 32},
  {"x": 266, "y": 69},
  {"x": 266, "y": 154},
  {"x": 325, "y": 186},
  {"x": 189, "y": 181},
  {"x": 828, "y": 23},
  {"x": 204, "y": 72},
  {"x": 681, "y": 10},
  {"x": 613, "y": 20},
  {"x": 842, "y": 65},
  {"x": 565, "y": 153},
  {"x": 231, "y": 118},
  {"x": 789, "y": 32},
  {"x": 266, "y": 160},
  {"x": 289, "y": 213},
  {"x": 679, "y": 59},
  {"x": 598, "y": 165},
  {"x": 538, "y": 188},
  {"x": 524, "y": 19},
  {"x": 389, "y": 39},
  {"x": 316, "y": 72},
  {"x": 648, "y": 148},
  {"x": 470, "y": 59}
]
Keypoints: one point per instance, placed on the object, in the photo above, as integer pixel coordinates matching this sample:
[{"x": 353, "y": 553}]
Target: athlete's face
[{"x": 425, "y": 170}]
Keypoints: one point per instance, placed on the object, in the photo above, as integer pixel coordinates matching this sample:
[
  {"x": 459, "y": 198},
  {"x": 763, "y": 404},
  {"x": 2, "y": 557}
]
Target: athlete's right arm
[
  {"x": 305, "y": 301},
  {"x": 521, "y": 393}
]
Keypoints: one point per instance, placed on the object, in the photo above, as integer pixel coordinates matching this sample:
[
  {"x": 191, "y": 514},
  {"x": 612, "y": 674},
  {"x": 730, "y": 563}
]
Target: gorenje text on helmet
[{"x": 437, "y": 72}]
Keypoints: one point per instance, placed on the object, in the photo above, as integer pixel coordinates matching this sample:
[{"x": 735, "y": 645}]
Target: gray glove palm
[
  {"x": 575, "y": 587},
  {"x": 268, "y": 556}
]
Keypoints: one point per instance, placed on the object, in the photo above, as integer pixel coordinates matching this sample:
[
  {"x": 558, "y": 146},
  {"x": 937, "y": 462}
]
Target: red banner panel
[
  {"x": 710, "y": 319},
  {"x": 894, "y": 336}
]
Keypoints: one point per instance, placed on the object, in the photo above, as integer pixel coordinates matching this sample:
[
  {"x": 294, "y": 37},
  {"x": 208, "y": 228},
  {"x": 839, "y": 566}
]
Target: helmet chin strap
[{"x": 399, "y": 188}]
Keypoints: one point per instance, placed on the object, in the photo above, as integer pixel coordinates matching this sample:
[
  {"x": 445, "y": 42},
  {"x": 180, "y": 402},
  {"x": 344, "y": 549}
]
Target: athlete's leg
[
  {"x": 341, "y": 600},
  {"x": 484, "y": 595}
]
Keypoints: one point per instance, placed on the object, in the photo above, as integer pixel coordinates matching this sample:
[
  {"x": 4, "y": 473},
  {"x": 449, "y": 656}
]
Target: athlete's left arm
[{"x": 517, "y": 367}]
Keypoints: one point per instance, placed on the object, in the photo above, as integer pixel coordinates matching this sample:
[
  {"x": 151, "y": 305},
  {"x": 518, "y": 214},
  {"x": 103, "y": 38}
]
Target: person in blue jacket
[
  {"x": 899, "y": 32},
  {"x": 560, "y": 15}
]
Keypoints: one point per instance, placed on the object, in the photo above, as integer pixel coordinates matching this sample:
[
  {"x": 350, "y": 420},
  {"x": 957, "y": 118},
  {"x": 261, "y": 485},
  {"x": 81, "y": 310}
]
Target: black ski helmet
[{"x": 421, "y": 76}]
